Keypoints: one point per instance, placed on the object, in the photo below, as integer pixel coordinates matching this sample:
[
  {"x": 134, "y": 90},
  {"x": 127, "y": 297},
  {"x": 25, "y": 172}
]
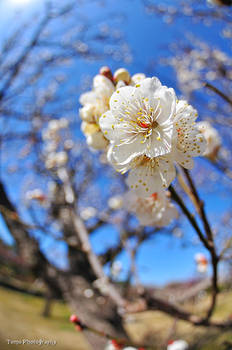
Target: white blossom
[
  {"x": 177, "y": 345},
  {"x": 139, "y": 121},
  {"x": 149, "y": 130},
  {"x": 188, "y": 142},
  {"x": 213, "y": 140},
  {"x": 88, "y": 213},
  {"x": 63, "y": 123},
  {"x": 115, "y": 202},
  {"x": 156, "y": 210},
  {"x": 88, "y": 293},
  {"x": 202, "y": 262},
  {"x": 56, "y": 159},
  {"x": 36, "y": 194},
  {"x": 112, "y": 345},
  {"x": 53, "y": 125}
]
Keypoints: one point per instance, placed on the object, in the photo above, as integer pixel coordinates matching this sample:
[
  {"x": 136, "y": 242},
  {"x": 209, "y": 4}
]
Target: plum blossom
[
  {"x": 177, "y": 345},
  {"x": 202, "y": 262},
  {"x": 56, "y": 159},
  {"x": 113, "y": 345},
  {"x": 188, "y": 142},
  {"x": 156, "y": 210},
  {"x": 36, "y": 194},
  {"x": 96, "y": 102},
  {"x": 149, "y": 130},
  {"x": 115, "y": 202},
  {"x": 88, "y": 213},
  {"x": 212, "y": 137}
]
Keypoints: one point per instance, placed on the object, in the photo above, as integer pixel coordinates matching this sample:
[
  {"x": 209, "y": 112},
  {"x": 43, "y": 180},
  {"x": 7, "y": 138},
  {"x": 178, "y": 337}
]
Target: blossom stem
[
  {"x": 189, "y": 216},
  {"x": 209, "y": 233}
]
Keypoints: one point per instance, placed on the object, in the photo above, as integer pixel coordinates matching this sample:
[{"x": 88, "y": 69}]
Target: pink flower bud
[{"x": 74, "y": 319}]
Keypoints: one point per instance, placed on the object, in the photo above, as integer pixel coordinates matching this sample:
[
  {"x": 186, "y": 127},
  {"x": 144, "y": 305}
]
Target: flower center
[{"x": 143, "y": 124}]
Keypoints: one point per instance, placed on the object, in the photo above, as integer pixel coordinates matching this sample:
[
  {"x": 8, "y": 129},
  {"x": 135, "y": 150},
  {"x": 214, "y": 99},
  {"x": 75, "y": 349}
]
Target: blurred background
[{"x": 49, "y": 53}]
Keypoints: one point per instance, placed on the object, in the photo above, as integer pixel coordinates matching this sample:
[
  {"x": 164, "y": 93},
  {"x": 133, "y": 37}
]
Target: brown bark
[{"x": 98, "y": 311}]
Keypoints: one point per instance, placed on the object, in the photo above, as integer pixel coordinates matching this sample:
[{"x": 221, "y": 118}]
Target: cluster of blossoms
[
  {"x": 202, "y": 63},
  {"x": 146, "y": 131},
  {"x": 149, "y": 131},
  {"x": 96, "y": 102},
  {"x": 201, "y": 262},
  {"x": 88, "y": 213},
  {"x": 115, "y": 202},
  {"x": 55, "y": 158}
]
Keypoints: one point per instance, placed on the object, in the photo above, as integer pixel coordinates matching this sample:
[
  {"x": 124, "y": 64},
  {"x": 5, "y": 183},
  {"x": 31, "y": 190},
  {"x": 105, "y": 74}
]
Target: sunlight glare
[{"x": 19, "y": 2}]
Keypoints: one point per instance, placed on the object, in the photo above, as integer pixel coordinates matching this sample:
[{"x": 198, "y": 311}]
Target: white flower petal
[
  {"x": 121, "y": 99},
  {"x": 124, "y": 153},
  {"x": 161, "y": 144},
  {"x": 109, "y": 126},
  {"x": 167, "y": 104},
  {"x": 184, "y": 160},
  {"x": 147, "y": 179}
]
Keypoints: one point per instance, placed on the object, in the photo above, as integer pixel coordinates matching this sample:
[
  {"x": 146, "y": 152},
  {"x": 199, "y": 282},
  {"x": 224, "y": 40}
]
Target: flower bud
[
  {"x": 87, "y": 113},
  {"x": 137, "y": 78},
  {"x": 97, "y": 141},
  {"x": 74, "y": 319},
  {"x": 106, "y": 72},
  {"x": 122, "y": 74},
  {"x": 89, "y": 128}
]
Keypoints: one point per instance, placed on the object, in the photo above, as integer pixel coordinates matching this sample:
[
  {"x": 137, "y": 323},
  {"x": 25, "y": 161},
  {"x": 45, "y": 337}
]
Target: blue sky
[{"x": 163, "y": 259}]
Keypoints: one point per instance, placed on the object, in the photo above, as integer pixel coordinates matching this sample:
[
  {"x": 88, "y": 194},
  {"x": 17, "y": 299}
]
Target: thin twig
[{"x": 218, "y": 92}]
